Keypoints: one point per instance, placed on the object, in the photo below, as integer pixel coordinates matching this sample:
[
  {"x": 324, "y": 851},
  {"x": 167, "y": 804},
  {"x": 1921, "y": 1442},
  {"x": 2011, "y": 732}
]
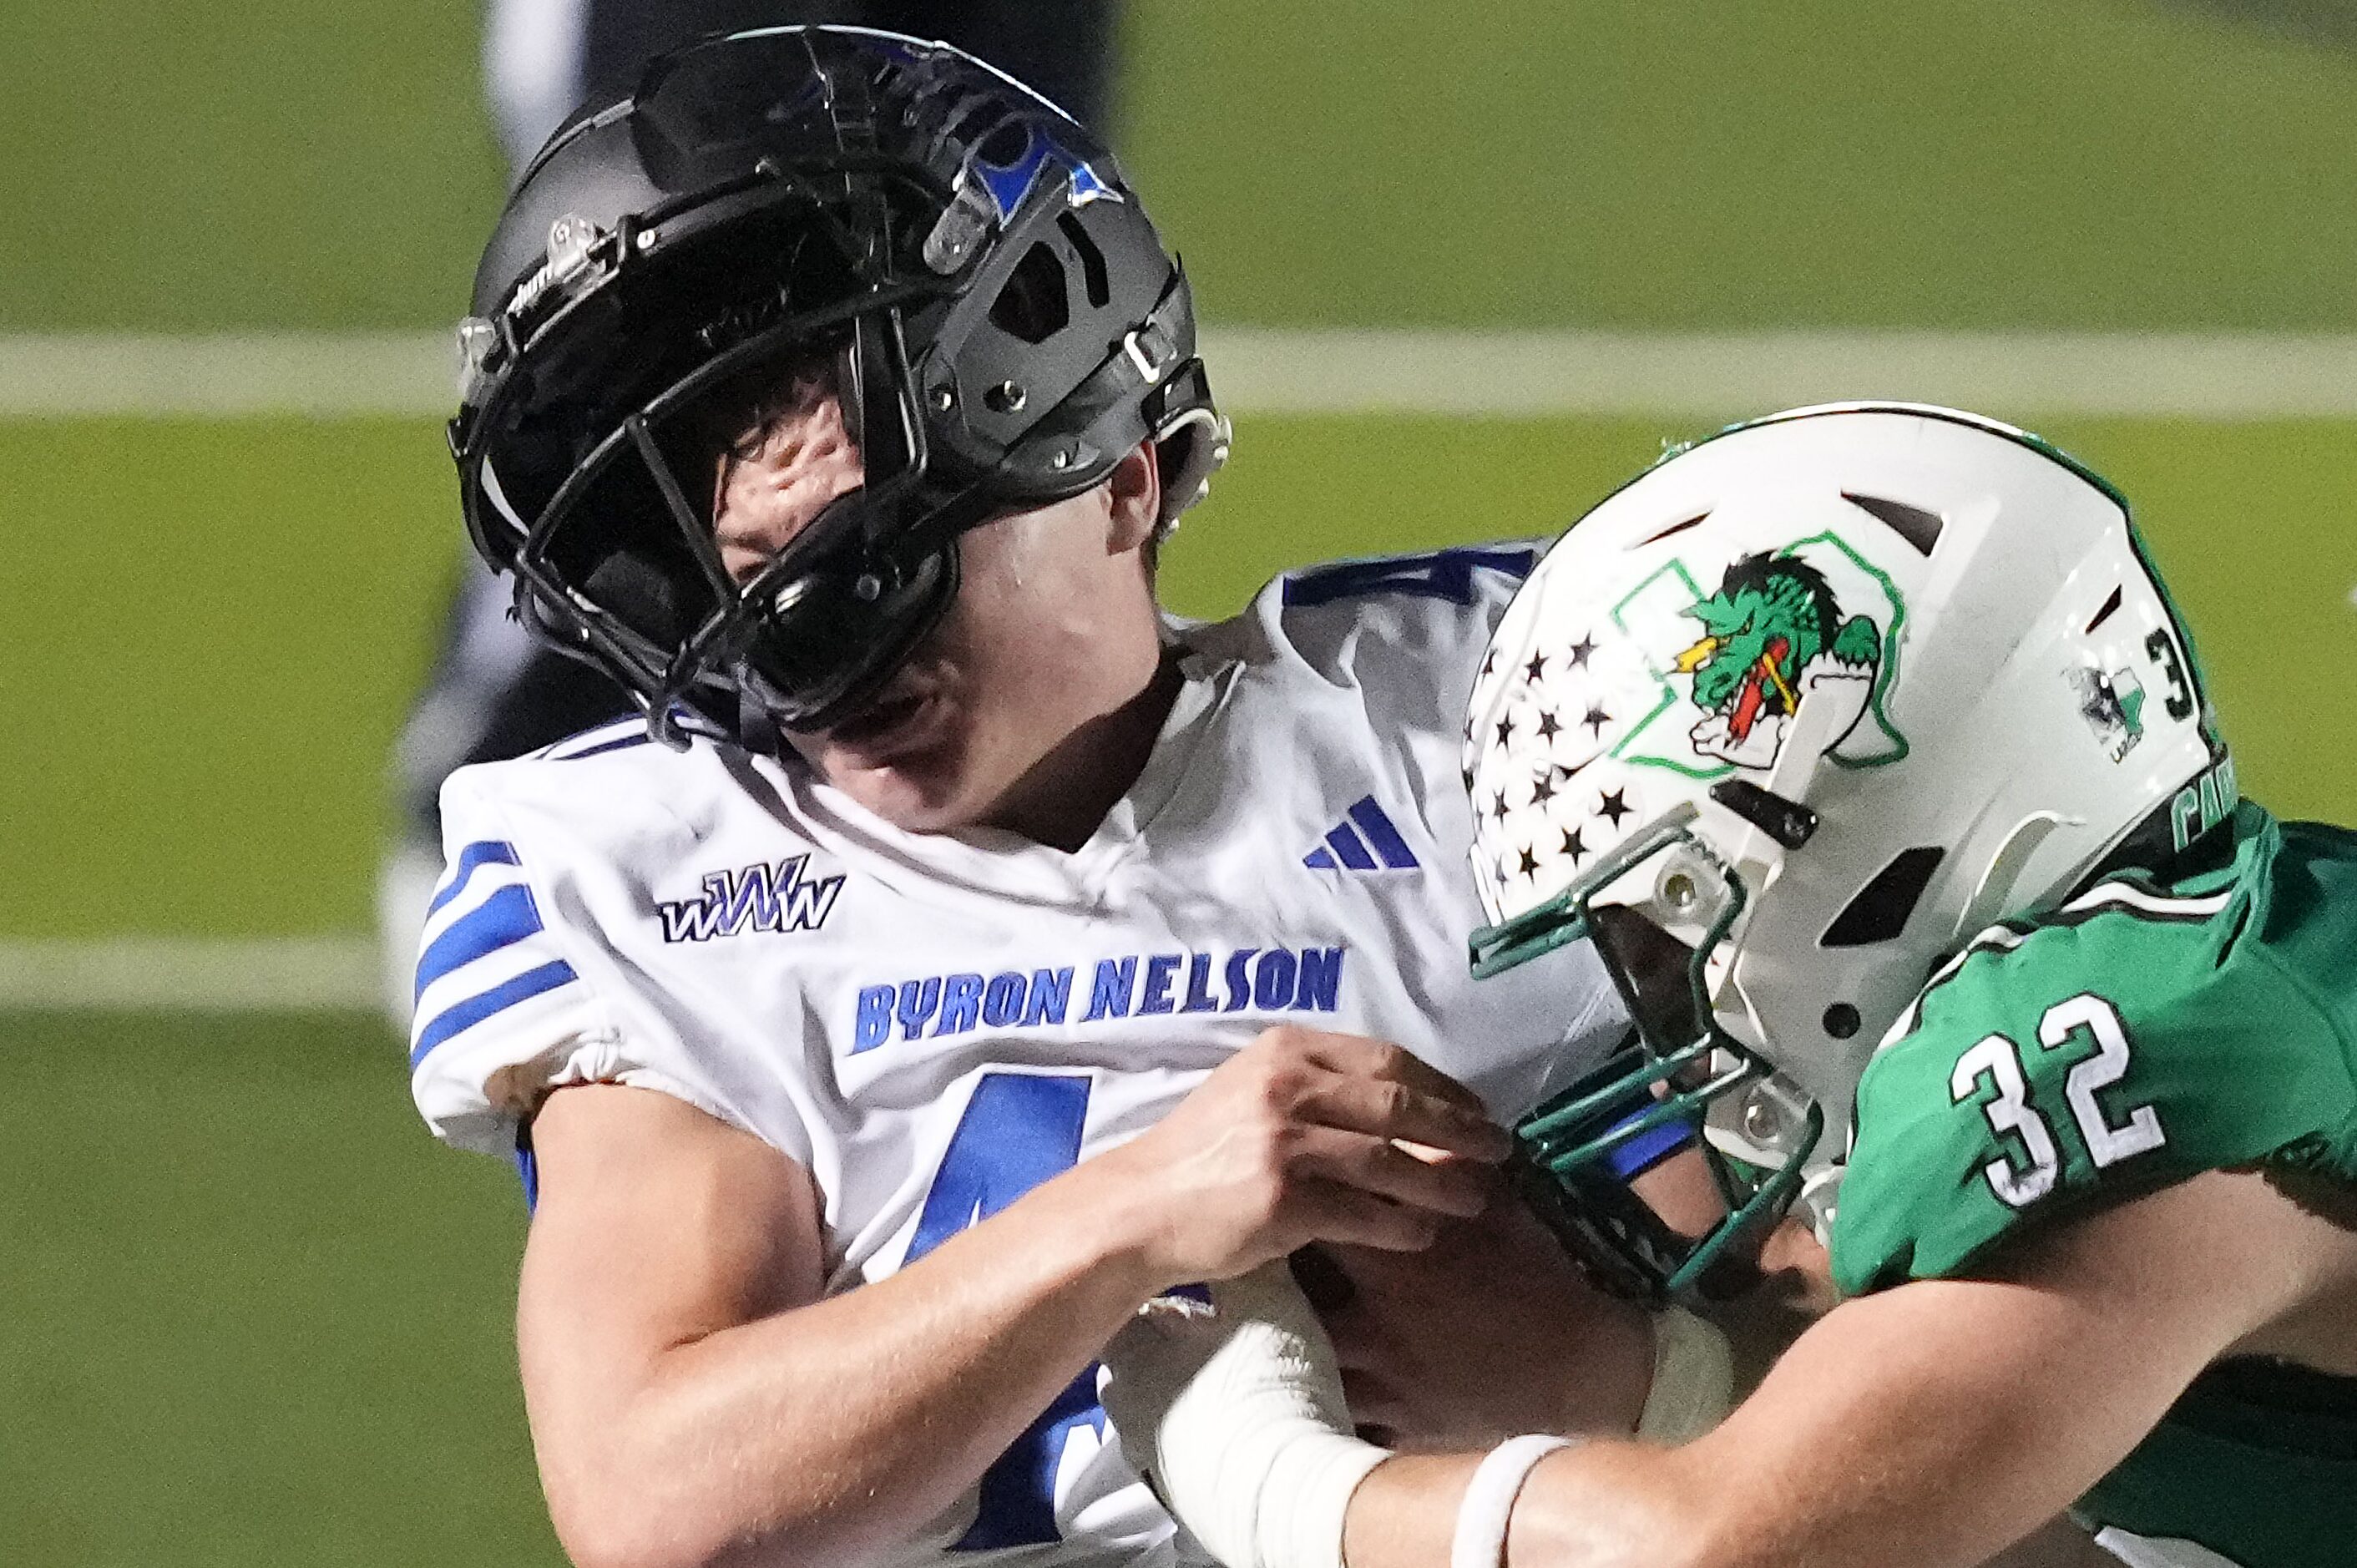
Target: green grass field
[
  {"x": 248, "y": 1311},
  {"x": 2079, "y": 163},
  {"x": 236, "y": 699},
  {"x": 249, "y": 1314}
]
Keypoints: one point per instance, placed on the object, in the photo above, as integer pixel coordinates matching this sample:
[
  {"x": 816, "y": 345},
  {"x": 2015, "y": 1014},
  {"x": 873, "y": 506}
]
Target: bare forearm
[
  {"x": 1602, "y": 1505},
  {"x": 694, "y": 1400},
  {"x": 1617, "y": 1505},
  {"x": 827, "y": 1431}
]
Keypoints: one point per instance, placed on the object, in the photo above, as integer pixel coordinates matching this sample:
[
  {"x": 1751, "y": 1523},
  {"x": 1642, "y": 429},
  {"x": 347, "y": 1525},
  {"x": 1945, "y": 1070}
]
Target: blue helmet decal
[
  {"x": 1009, "y": 185},
  {"x": 1087, "y": 187}
]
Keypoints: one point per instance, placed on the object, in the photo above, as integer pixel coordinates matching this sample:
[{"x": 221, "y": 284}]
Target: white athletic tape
[
  {"x": 1694, "y": 1379},
  {"x": 1237, "y": 1415}
]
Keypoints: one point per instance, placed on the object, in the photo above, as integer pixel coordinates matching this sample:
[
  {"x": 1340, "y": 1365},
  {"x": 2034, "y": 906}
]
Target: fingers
[
  {"x": 1358, "y": 1055},
  {"x": 1389, "y": 1110},
  {"x": 1333, "y": 1212},
  {"x": 1377, "y": 1167}
]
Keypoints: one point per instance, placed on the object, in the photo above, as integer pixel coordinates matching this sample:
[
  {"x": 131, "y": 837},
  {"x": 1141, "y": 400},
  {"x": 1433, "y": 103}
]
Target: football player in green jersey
[{"x": 1870, "y": 751}]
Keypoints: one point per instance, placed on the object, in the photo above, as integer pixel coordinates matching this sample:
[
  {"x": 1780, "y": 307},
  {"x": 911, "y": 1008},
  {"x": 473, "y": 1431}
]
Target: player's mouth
[{"x": 897, "y": 722}]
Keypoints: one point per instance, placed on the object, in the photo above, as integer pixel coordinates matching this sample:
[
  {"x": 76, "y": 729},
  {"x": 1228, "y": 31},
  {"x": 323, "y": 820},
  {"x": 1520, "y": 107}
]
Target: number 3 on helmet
[{"x": 1781, "y": 724}]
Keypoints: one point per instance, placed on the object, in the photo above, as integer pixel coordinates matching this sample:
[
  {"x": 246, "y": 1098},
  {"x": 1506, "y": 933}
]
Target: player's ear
[{"x": 1134, "y": 491}]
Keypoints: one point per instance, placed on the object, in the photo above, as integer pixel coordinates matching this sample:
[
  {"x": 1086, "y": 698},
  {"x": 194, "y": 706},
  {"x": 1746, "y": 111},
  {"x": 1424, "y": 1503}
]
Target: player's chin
[{"x": 923, "y": 789}]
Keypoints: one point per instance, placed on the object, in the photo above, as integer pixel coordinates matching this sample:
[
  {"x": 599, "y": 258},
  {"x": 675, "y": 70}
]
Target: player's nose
[{"x": 762, "y": 501}]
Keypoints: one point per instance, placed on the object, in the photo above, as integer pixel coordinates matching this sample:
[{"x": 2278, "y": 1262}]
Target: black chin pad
[
  {"x": 842, "y": 629},
  {"x": 1654, "y": 972},
  {"x": 642, "y": 595}
]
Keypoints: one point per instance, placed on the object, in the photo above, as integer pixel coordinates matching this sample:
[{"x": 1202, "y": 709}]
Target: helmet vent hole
[
  {"x": 1033, "y": 306},
  {"x": 1006, "y": 144},
  {"x": 1912, "y": 524},
  {"x": 1694, "y": 522},
  {"x": 1879, "y": 911},
  {"x": 1841, "y": 1020},
  {"x": 2111, "y": 607},
  {"x": 1093, "y": 276}
]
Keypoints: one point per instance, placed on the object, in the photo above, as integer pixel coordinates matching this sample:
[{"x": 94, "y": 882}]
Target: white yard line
[
  {"x": 270, "y": 975},
  {"x": 1341, "y": 371}
]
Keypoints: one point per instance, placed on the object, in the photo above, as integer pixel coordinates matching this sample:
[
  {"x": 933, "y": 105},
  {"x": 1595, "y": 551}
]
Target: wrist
[
  {"x": 1113, "y": 1214},
  {"x": 1488, "y": 1506},
  {"x": 1692, "y": 1385}
]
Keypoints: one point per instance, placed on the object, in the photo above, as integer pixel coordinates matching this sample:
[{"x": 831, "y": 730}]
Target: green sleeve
[{"x": 2106, "y": 1052}]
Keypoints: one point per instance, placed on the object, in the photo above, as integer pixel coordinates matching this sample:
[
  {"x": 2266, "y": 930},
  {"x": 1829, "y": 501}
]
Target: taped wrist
[
  {"x": 1694, "y": 1379},
  {"x": 1235, "y": 1413}
]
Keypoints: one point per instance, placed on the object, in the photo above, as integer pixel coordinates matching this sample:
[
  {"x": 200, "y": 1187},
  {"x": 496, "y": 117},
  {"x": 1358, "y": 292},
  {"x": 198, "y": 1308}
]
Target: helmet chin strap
[{"x": 756, "y": 727}]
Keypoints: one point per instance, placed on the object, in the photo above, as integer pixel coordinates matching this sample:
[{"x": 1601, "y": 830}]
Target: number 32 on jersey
[{"x": 1992, "y": 1072}]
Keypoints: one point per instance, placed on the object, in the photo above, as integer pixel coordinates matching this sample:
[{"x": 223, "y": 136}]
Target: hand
[
  {"x": 1296, "y": 1139},
  {"x": 1491, "y": 1331}
]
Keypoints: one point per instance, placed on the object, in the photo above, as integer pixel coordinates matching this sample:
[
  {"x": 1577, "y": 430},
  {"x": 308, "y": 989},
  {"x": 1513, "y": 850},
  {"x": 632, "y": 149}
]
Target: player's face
[{"x": 1053, "y": 627}]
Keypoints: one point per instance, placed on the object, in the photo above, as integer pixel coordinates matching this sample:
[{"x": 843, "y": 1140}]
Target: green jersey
[{"x": 2144, "y": 1033}]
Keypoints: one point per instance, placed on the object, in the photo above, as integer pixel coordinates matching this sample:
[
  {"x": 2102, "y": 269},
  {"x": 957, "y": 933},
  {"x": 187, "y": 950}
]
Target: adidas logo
[{"x": 1364, "y": 840}]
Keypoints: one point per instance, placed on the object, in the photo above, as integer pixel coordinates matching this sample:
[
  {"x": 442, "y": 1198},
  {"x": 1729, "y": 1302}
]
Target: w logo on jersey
[{"x": 761, "y": 896}]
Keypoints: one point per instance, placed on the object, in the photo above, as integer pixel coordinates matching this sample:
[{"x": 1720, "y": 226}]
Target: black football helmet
[{"x": 1000, "y": 316}]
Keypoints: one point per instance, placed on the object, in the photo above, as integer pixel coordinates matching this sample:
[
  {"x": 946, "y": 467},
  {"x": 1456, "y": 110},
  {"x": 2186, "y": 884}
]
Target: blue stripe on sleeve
[
  {"x": 1641, "y": 1154},
  {"x": 463, "y": 1015},
  {"x": 483, "y": 852},
  {"x": 621, "y": 744},
  {"x": 505, "y": 917}
]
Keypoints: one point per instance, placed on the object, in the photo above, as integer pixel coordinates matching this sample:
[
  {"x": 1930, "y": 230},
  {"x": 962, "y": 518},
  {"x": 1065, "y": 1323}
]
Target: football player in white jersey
[{"x": 960, "y": 953}]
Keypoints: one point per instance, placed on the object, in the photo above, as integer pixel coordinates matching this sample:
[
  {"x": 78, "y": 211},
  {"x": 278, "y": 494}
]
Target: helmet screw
[
  {"x": 1841, "y": 1020},
  {"x": 1007, "y": 397},
  {"x": 1761, "y": 1122},
  {"x": 867, "y": 587},
  {"x": 944, "y": 398},
  {"x": 1062, "y": 459}
]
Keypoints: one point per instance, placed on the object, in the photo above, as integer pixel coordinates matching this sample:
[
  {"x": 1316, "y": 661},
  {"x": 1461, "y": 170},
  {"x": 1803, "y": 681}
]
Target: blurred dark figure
[
  {"x": 493, "y": 692},
  {"x": 542, "y": 56}
]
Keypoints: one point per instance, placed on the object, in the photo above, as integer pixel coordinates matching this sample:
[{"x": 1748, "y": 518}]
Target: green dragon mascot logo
[
  {"x": 1815, "y": 620},
  {"x": 1773, "y": 625}
]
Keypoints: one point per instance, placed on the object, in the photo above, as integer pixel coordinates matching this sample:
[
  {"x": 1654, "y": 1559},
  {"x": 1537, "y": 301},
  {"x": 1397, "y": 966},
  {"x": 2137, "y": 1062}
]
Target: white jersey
[{"x": 932, "y": 1023}]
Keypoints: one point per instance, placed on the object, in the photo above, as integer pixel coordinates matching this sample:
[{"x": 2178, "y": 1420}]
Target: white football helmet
[{"x": 1781, "y": 725}]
